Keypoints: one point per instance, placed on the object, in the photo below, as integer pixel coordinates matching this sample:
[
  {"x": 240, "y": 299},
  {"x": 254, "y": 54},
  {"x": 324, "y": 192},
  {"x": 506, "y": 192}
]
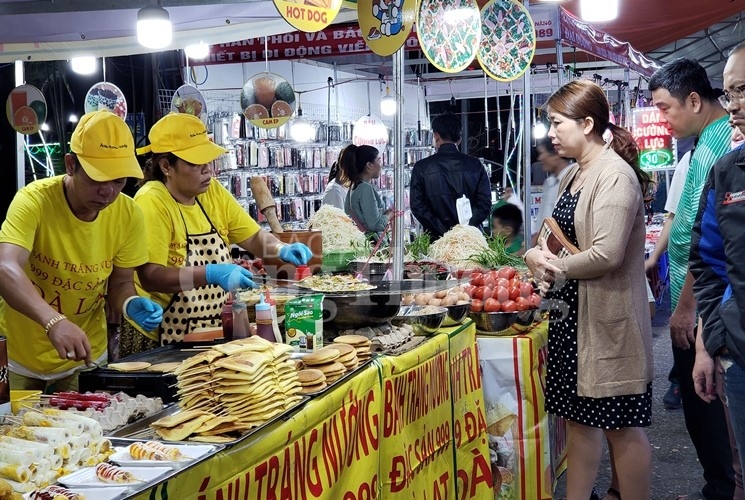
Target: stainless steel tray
[{"x": 141, "y": 430}]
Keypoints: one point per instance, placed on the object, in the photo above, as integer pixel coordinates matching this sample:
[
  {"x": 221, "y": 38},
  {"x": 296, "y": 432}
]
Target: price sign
[{"x": 653, "y": 138}]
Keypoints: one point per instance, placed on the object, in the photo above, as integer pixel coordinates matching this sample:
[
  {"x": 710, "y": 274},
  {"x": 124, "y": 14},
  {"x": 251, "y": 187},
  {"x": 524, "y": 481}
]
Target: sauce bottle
[
  {"x": 239, "y": 320},
  {"x": 227, "y": 319},
  {"x": 264, "y": 320}
]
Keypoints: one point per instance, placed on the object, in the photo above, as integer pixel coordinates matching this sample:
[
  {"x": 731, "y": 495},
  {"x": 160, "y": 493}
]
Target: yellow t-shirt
[
  {"x": 167, "y": 222},
  {"x": 69, "y": 265}
]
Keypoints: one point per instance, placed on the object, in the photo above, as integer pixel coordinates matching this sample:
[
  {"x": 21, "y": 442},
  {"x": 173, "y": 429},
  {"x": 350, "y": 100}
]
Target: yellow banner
[
  {"x": 416, "y": 444},
  {"x": 474, "y": 475},
  {"x": 330, "y": 449},
  {"x": 528, "y": 445}
]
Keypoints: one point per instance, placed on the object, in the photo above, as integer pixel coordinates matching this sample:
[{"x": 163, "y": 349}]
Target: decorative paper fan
[
  {"x": 268, "y": 100},
  {"x": 449, "y": 32},
  {"x": 26, "y": 109},
  {"x": 507, "y": 40},
  {"x": 188, "y": 99},
  {"x": 105, "y": 95}
]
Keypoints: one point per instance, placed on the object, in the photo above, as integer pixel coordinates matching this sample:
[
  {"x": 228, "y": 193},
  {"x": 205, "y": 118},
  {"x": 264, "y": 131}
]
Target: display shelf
[{"x": 295, "y": 173}]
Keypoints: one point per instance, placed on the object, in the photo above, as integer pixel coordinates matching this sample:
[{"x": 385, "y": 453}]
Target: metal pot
[{"x": 362, "y": 309}]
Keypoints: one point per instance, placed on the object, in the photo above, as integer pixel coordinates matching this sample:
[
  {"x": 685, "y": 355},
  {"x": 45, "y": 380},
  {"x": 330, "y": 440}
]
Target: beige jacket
[{"x": 614, "y": 336}]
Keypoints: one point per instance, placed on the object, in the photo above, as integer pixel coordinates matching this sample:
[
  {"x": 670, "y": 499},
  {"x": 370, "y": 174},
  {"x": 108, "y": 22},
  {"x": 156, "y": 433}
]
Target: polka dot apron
[{"x": 198, "y": 307}]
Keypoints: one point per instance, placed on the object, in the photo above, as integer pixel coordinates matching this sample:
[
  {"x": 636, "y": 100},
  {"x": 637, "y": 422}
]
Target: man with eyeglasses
[
  {"x": 682, "y": 93},
  {"x": 69, "y": 242},
  {"x": 717, "y": 253}
]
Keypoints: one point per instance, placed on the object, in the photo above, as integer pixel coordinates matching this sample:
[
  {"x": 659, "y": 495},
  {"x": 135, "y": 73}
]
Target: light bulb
[
  {"x": 598, "y": 11},
  {"x": 154, "y": 29},
  {"x": 300, "y": 129},
  {"x": 45, "y": 127},
  {"x": 83, "y": 65},
  {"x": 73, "y": 118},
  {"x": 197, "y": 50},
  {"x": 388, "y": 103},
  {"x": 539, "y": 130}
]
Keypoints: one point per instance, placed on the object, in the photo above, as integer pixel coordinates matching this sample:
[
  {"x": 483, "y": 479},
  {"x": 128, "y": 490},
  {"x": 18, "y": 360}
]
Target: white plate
[
  {"x": 191, "y": 452},
  {"x": 87, "y": 477},
  {"x": 112, "y": 493}
]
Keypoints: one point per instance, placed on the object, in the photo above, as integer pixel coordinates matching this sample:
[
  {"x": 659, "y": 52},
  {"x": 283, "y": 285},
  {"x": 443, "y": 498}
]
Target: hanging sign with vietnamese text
[
  {"x": 653, "y": 138},
  {"x": 333, "y": 41}
]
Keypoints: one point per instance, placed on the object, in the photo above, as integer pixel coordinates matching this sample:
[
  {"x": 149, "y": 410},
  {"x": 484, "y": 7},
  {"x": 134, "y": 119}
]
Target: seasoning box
[{"x": 304, "y": 323}]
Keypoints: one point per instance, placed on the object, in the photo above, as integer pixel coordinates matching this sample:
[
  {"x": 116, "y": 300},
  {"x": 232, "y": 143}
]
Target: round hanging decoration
[
  {"x": 26, "y": 109},
  {"x": 507, "y": 39},
  {"x": 371, "y": 131},
  {"x": 268, "y": 100},
  {"x": 386, "y": 24},
  {"x": 105, "y": 95},
  {"x": 308, "y": 15},
  {"x": 449, "y": 32},
  {"x": 188, "y": 99}
]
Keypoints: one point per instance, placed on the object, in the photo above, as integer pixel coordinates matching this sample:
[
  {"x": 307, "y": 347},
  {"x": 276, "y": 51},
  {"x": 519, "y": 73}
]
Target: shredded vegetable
[
  {"x": 458, "y": 246},
  {"x": 339, "y": 230}
]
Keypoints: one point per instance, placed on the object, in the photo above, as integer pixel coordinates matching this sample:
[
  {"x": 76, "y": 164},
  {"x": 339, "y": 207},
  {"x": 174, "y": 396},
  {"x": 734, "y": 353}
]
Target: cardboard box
[{"x": 304, "y": 323}]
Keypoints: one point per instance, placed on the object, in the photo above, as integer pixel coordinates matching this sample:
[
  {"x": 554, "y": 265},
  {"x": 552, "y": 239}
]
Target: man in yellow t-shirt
[{"x": 67, "y": 243}]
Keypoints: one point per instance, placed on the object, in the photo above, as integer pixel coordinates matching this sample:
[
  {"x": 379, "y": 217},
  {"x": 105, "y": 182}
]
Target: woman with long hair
[
  {"x": 600, "y": 372},
  {"x": 363, "y": 203}
]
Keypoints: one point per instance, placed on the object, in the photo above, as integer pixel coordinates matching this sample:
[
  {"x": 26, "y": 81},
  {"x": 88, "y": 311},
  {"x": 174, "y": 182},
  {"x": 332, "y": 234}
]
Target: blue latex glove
[
  {"x": 295, "y": 253},
  {"x": 146, "y": 313},
  {"x": 229, "y": 276}
]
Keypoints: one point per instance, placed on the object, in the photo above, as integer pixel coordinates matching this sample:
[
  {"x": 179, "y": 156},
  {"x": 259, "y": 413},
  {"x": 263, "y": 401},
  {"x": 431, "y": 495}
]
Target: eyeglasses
[{"x": 736, "y": 94}]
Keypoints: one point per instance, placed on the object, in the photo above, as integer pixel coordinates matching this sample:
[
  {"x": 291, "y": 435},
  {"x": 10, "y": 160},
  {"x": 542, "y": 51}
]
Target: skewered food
[{"x": 115, "y": 475}]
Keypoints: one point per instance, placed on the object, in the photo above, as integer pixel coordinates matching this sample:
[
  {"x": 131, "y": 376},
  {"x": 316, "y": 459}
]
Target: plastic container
[
  {"x": 264, "y": 328},
  {"x": 275, "y": 322},
  {"x": 302, "y": 272}
]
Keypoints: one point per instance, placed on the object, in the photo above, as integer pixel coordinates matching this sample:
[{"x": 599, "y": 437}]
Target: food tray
[
  {"x": 141, "y": 430},
  {"x": 192, "y": 453},
  {"x": 102, "y": 493},
  {"x": 87, "y": 477},
  {"x": 347, "y": 375}
]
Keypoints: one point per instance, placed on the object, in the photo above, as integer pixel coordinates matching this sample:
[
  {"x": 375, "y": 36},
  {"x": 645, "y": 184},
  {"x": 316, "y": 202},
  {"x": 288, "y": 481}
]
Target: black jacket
[
  {"x": 439, "y": 180},
  {"x": 717, "y": 256}
]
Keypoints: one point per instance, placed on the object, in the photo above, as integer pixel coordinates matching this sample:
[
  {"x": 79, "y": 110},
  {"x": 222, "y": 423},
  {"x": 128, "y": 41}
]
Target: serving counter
[{"x": 408, "y": 426}]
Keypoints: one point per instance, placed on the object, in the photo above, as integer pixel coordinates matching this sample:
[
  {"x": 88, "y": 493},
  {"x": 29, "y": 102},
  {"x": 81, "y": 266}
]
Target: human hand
[
  {"x": 295, "y": 253},
  {"x": 144, "y": 312},
  {"x": 538, "y": 260},
  {"x": 229, "y": 276},
  {"x": 682, "y": 326},
  {"x": 70, "y": 341},
  {"x": 703, "y": 376}
]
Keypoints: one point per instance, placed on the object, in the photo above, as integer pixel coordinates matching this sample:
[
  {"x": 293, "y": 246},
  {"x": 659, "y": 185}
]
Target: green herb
[
  {"x": 419, "y": 248},
  {"x": 496, "y": 255}
]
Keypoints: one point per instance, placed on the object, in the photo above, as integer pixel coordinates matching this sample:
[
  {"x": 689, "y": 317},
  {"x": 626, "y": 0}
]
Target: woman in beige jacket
[{"x": 600, "y": 355}]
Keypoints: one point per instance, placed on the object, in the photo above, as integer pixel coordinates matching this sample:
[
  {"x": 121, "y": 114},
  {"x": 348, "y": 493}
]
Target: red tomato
[
  {"x": 494, "y": 274},
  {"x": 477, "y": 279},
  {"x": 482, "y": 293},
  {"x": 501, "y": 293},
  {"x": 491, "y": 305},
  {"x": 469, "y": 289},
  {"x": 509, "y": 306},
  {"x": 503, "y": 282},
  {"x": 526, "y": 289},
  {"x": 514, "y": 292},
  {"x": 523, "y": 304},
  {"x": 477, "y": 306},
  {"x": 507, "y": 272},
  {"x": 535, "y": 299},
  {"x": 489, "y": 280}
]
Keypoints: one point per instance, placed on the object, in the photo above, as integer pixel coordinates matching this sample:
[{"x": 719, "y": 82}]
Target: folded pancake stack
[
  {"x": 311, "y": 381},
  {"x": 347, "y": 355},
  {"x": 251, "y": 380},
  {"x": 360, "y": 343},
  {"x": 325, "y": 360}
]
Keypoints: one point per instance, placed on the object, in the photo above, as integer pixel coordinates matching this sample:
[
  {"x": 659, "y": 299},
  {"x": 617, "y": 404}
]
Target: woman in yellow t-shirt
[{"x": 191, "y": 222}]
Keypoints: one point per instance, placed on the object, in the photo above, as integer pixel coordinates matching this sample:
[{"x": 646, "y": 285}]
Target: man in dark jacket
[
  {"x": 716, "y": 262},
  {"x": 439, "y": 180}
]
